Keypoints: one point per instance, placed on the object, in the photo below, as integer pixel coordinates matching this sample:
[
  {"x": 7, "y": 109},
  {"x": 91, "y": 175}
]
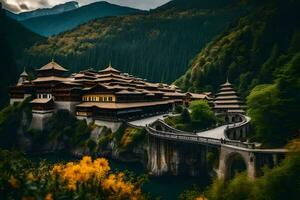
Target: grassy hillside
[
  {"x": 55, "y": 24},
  {"x": 156, "y": 45},
  {"x": 12, "y": 45},
  {"x": 250, "y": 53}
]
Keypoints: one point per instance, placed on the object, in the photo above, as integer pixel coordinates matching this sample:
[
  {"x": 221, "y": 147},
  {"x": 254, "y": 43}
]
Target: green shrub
[
  {"x": 10, "y": 121},
  {"x": 201, "y": 112},
  {"x": 185, "y": 116},
  {"x": 64, "y": 127},
  {"x": 178, "y": 109}
]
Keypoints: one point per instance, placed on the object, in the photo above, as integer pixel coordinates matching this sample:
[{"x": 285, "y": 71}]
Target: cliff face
[
  {"x": 171, "y": 158},
  {"x": 126, "y": 144}
]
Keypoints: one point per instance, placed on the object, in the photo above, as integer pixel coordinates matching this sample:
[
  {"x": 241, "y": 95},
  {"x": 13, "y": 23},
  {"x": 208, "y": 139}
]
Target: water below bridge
[{"x": 168, "y": 188}]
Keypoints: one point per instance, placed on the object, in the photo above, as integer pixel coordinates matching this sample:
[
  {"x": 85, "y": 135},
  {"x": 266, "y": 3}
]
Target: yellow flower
[
  {"x": 86, "y": 160},
  {"x": 15, "y": 183},
  {"x": 30, "y": 177},
  {"x": 49, "y": 196},
  {"x": 200, "y": 198}
]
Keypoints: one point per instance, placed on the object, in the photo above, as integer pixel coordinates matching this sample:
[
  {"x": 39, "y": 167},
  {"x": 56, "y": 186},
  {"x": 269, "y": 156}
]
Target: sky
[{"x": 27, "y": 5}]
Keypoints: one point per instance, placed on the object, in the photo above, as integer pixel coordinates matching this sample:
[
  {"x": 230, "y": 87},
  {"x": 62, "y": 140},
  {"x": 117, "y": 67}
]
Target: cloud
[
  {"x": 10, "y": 7},
  {"x": 25, "y": 5}
]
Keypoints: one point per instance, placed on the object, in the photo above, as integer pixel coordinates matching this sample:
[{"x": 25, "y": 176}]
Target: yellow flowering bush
[
  {"x": 95, "y": 174},
  {"x": 85, "y": 179}
]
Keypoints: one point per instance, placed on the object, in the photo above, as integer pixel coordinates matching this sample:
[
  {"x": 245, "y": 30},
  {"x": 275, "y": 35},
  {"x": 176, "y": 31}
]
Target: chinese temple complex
[{"x": 107, "y": 95}]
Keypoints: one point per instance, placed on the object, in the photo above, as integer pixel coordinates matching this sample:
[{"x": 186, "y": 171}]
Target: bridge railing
[
  {"x": 175, "y": 134},
  {"x": 182, "y": 137},
  {"x": 239, "y": 144},
  {"x": 198, "y": 139},
  {"x": 245, "y": 122}
]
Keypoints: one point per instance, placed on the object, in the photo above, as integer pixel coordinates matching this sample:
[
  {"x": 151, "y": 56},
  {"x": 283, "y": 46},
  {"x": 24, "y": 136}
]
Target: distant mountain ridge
[
  {"x": 61, "y": 8},
  {"x": 155, "y": 45},
  {"x": 54, "y": 24},
  {"x": 196, "y": 4}
]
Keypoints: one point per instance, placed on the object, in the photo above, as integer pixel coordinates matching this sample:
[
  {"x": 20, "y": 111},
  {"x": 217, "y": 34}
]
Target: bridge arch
[
  {"x": 234, "y": 160},
  {"x": 235, "y": 163}
]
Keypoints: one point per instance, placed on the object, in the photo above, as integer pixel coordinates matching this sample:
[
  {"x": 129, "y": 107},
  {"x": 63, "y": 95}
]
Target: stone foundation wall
[
  {"x": 66, "y": 105},
  {"x": 114, "y": 126},
  {"x": 39, "y": 119}
]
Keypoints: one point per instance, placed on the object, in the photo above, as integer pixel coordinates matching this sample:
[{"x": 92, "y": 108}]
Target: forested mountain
[
  {"x": 183, "y": 5},
  {"x": 251, "y": 52},
  {"x": 68, "y": 6},
  {"x": 14, "y": 38},
  {"x": 157, "y": 45},
  {"x": 54, "y": 24}
]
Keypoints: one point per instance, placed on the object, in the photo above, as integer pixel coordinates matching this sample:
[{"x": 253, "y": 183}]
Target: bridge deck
[
  {"x": 145, "y": 121},
  {"x": 216, "y": 133}
]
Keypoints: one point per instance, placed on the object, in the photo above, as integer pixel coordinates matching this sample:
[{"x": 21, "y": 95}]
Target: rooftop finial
[
  {"x": 52, "y": 60},
  {"x": 110, "y": 64},
  {"x": 227, "y": 78}
]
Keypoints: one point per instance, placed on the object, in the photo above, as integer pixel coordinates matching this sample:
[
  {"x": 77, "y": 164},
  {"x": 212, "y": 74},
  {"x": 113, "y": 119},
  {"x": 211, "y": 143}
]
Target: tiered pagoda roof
[
  {"x": 227, "y": 100},
  {"x": 109, "y": 70},
  {"x": 52, "y": 66}
]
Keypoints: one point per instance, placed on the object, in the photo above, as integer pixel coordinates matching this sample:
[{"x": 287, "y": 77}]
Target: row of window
[
  {"x": 97, "y": 99},
  {"x": 44, "y": 96}
]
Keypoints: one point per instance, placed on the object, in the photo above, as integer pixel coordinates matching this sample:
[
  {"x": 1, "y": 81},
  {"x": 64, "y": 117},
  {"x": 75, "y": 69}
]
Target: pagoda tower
[
  {"x": 227, "y": 100},
  {"x": 23, "y": 78}
]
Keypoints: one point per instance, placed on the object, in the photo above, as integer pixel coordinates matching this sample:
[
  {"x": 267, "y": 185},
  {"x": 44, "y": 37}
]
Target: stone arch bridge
[{"x": 175, "y": 152}]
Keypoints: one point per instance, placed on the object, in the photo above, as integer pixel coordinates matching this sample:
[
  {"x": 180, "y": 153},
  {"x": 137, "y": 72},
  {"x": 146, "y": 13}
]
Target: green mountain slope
[
  {"x": 55, "y": 24},
  {"x": 14, "y": 38},
  {"x": 156, "y": 45},
  {"x": 251, "y": 52}
]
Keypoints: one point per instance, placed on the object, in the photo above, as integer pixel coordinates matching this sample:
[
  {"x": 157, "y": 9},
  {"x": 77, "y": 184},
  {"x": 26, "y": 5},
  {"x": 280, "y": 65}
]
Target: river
[{"x": 165, "y": 188}]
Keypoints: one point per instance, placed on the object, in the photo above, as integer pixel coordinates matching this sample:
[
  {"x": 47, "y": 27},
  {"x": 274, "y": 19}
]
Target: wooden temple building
[
  {"x": 94, "y": 95},
  {"x": 107, "y": 95}
]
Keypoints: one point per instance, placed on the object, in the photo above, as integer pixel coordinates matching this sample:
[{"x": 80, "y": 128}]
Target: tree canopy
[
  {"x": 274, "y": 108},
  {"x": 202, "y": 113}
]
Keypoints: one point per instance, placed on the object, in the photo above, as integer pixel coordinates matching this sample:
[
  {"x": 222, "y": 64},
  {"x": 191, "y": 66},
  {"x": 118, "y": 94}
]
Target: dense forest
[
  {"x": 249, "y": 53},
  {"x": 261, "y": 56},
  {"x": 12, "y": 45},
  {"x": 157, "y": 45}
]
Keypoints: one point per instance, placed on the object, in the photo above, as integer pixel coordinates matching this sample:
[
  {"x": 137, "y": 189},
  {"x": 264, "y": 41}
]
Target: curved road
[{"x": 216, "y": 133}]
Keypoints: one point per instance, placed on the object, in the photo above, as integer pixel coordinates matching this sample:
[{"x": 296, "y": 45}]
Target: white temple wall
[{"x": 66, "y": 105}]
